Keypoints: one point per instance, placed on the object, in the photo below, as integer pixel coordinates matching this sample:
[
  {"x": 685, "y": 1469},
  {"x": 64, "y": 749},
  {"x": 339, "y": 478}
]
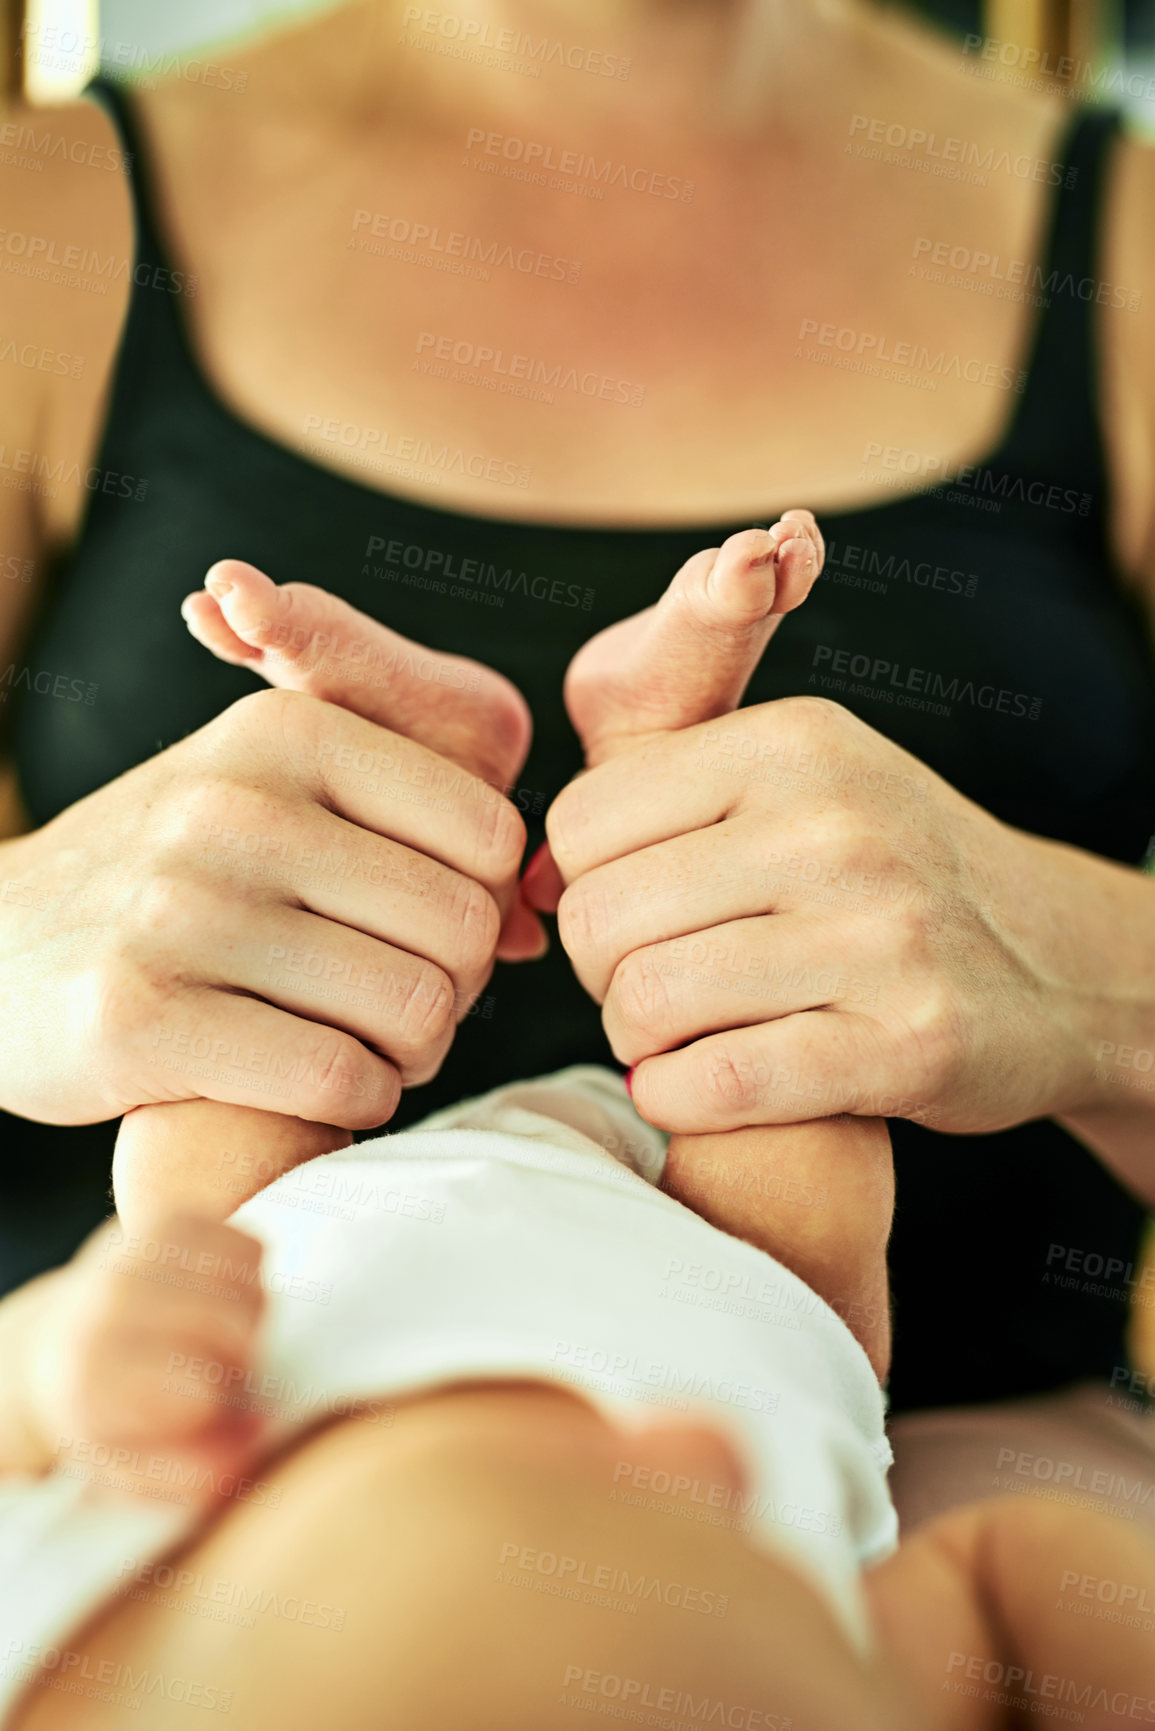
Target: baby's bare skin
[
  {"x": 207, "y": 1157},
  {"x": 87, "y": 1354},
  {"x": 818, "y": 1197}
]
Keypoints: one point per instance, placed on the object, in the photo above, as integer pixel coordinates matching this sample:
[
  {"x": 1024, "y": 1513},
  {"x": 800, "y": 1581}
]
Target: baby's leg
[
  {"x": 993, "y": 1611},
  {"x": 207, "y": 1157},
  {"x": 819, "y": 1197}
]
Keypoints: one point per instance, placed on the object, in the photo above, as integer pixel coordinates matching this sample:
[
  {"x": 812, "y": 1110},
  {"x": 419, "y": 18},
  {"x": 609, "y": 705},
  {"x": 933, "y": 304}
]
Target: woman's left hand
[{"x": 787, "y": 916}]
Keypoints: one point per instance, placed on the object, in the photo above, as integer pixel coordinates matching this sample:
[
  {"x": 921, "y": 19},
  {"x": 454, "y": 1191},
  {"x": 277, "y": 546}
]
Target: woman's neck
[{"x": 717, "y": 68}]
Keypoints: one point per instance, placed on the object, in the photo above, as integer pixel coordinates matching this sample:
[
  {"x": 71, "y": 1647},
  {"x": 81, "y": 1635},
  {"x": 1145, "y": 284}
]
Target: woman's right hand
[{"x": 290, "y": 909}]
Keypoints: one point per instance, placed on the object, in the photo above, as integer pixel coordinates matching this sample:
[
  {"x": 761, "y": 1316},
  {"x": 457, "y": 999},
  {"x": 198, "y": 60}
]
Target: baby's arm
[
  {"x": 87, "y": 1356},
  {"x": 25, "y": 1316},
  {"x": 207, "y": 1157},
  {"x": 982, "y": 1610}
]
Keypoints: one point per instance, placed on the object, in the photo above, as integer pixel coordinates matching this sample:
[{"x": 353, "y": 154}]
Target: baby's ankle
[
  {"x": 207, "y": 1157},
  {"x": 818, "y": 1197}
]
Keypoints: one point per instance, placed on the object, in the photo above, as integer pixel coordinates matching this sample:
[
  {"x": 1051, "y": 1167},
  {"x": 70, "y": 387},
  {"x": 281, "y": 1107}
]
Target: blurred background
[{"x": 1102, "y": 49}]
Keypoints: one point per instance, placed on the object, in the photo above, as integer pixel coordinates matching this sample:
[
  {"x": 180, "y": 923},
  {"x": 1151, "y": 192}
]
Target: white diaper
[
  {"x": 515, "y": 1236},
  {"x": 585, "y": 1103}
]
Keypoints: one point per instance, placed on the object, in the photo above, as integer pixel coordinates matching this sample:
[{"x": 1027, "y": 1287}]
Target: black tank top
[{"x": 981, "y": 624}]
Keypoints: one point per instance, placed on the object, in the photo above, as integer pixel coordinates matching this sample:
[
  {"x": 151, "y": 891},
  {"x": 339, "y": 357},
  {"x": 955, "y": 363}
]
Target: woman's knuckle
[
  {"x": 641, "y": 993},
  {"x": 235, "y": 737},
  {"x": 928, "y": 1048},
  {"x": 476, "y": 921},
  {"x": 187, "y": 817},
  {"x": 276, "y": 716},
  {"x": 873, "y": 857},
  {"x": 909, "y": 943},
  {"x": 425, "y": 1007},
  {"x": 837, "y": 833},
  {"x": 333, "y": 1066},
  {"x": 941, "y": 1035},
  {"x": 721, "y": 1080},
  {"x": 422, "y": 1066},
  {"x": 216, "y": 826},
  {"x": 167, "y": 903},
  {"x": 563, "y": 823},
  {"x": 582, "y": 918},
  {"x": 499, "y": 837},
  {"x": 813, "y": 714},
  {"x": 243, "y": 716},
  {"x": 199, "y": 804}
]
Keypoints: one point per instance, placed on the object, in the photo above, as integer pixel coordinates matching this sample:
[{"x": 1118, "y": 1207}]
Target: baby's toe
[{"x": 202, "y": 614}]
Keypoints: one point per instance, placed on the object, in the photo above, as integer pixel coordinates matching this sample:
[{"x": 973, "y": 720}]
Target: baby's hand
[{"x": 135, "y": 1378}]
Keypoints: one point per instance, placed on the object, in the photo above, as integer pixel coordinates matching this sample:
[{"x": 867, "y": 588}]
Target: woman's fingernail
[
  {"x": 216, "y": 584},
  {"x": 630, "y": 1080}
]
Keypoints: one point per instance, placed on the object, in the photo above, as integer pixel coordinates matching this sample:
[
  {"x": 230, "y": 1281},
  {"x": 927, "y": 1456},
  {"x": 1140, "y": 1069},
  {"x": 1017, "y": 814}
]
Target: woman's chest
[{"x": 634, "y": 358}]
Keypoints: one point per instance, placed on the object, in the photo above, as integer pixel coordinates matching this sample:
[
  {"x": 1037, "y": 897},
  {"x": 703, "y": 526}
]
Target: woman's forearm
[
  {"x": 1095, "y": 922},
  {"x": 1122, "y": 1134}
]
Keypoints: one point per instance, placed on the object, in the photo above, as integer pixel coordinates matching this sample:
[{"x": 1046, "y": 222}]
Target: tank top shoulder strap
[
  {"x": 117, "y": 104},
  {"x": 1056, "y": 431},
  {"x": 155, "y": 356}
]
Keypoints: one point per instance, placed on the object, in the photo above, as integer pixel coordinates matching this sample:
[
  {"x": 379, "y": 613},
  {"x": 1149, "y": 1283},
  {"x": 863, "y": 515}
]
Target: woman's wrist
[{"x": 1093, "y": 937}]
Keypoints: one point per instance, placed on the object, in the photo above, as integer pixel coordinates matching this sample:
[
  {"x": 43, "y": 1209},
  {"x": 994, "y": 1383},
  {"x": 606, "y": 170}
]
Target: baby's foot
[
  {"x": 299, "y": 638},
  {"x": 690, "y": 657},
  {"x": 687, "y": 659},
  {"x": 136, "y": 1378}
]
